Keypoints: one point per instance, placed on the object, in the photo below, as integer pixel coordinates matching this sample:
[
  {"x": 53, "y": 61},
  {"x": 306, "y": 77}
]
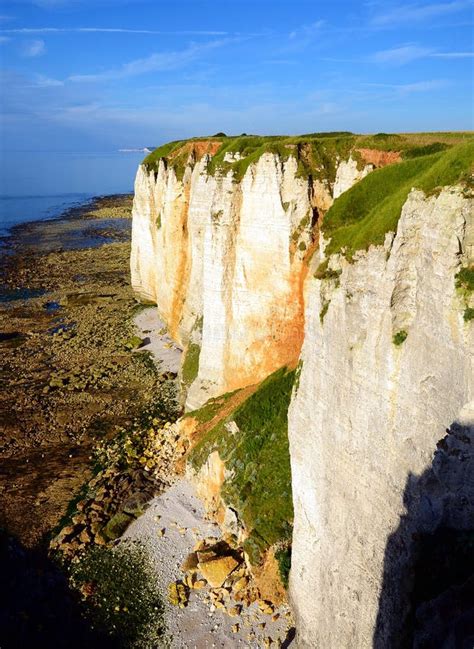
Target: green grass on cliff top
[
  {"x": 316, "y": 153},
  {"x": 257, "y": 460},
  {"x": 364, "y": 214}
]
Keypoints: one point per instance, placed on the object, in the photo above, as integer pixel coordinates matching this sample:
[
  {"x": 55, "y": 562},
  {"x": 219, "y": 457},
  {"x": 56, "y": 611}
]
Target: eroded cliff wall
[
  {"x": 223, "y": 260},
  {"x": 386, "y": 366}
]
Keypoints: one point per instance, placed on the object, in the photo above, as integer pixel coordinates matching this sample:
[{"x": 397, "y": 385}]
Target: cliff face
[
  {"x": 383, "y": 332},
  {"x": 224, "y": 262},
  {"x": 366, "y": 418}
]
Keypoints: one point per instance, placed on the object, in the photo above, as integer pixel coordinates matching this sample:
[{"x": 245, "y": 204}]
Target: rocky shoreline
[
  {"x": 69, "y": 373},
  {"x": 91, "y": 458}
]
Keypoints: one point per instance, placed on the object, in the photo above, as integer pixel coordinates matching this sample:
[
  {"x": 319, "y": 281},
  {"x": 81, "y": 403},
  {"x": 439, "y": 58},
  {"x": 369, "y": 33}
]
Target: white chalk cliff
[
  {"x": 367, "y": 414},
  {"x": 223, "y": 260},
  {"x": 231, "y": 267}
]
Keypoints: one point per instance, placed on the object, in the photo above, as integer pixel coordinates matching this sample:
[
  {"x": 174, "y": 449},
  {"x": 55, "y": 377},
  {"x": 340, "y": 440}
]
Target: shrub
[
  {"x": 465, "y": 279},
  {"x": 283, "y": 557},
  {"x": 468, "y": 314},
  {"x": 399, "y": 337}
]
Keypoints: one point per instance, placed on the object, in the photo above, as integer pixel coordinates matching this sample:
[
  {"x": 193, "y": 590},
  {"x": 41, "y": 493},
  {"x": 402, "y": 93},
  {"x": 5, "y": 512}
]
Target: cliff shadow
[
  {"x": 427, "y": 596},
  {"x": 37, "y": 608}
]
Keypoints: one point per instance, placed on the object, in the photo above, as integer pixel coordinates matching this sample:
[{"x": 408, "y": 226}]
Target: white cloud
[
  {"x": 401, "y": 55},
  {"x": 47, "y": 82},
  {"x": 419, "y": 12},
  {"x": 161, "y": 61},
  {"x": 408, "y": 88},
  {"x": 31, "y": 49},
  {"x": 453, "y": 55},
  {"x": 407, "y": 53},
  {"x": 109, "y": 30},
  {"x": 307, "y": 31}
]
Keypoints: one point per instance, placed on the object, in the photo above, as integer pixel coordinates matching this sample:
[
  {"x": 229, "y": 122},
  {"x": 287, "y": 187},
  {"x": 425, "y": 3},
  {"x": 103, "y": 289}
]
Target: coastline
[
  {"x": 72, "y": 376},
  {"x": 66, "y": 311},
  {"x": 89, "y": 448}
]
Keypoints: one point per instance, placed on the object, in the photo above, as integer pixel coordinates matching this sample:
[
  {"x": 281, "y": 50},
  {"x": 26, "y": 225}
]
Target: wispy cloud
[
  {"x": 4, "y": 39},
  {"x": 161, "y": 61},
  {"x": 47, "y": 82},
  {"x": 109, "y": 30},
  {"x": 403, "y": 54},
  {"x": 32, "y": 49},
  {"x": 307, "y": 31},
  {"x": 452, "y": 55},
  {"x": 419, "y": 12},
  {"x": 408, "y": 88},
  {"x": 407, "y": 53}
]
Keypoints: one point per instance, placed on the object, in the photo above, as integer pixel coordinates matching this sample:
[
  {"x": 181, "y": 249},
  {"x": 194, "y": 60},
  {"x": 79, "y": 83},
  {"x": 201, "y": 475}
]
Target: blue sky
[{"x": 97, "y": 75}]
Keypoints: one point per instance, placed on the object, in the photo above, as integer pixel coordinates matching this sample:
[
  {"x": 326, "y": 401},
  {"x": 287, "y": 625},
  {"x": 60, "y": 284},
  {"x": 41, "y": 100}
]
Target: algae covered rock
[{"x": 117, "y": 526}]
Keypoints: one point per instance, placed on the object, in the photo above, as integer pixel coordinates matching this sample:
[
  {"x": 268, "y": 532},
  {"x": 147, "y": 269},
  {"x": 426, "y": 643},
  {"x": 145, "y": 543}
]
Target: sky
[{"x": 99, "y": 75}]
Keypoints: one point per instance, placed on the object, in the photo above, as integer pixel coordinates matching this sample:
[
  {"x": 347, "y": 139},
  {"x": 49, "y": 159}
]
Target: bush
[
  {"x": 400, "y": 337},
  {"x": 465, "y": 279},
  {"x": 468, "y": 314},
  {"x": 283, "y": 557}
]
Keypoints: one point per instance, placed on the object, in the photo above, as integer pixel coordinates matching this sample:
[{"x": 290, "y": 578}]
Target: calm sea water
[{"x": 40, "y": 185}]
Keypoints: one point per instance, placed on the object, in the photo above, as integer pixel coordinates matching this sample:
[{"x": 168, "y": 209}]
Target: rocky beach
[
  {"x": 99, "y": 523},
  {"x": 72, "y": 374}
]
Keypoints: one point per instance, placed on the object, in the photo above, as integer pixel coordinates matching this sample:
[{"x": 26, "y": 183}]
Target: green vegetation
[
  {"x": 468, "y": 314},
  {"x": 133, "y": 343},
  {"x": 283, "y": 557},
  {"x": 428, "y": 149},
  {"x": 210, "y": 409},
  {"x": 258, "y": 483},
  {"x": 317, "y": 153},
  {"x": 399, "y": 337},
  {"x": 190, "y": 366},
  {"x": 119, "y": 590},
  {"x": 323, "y": 272},
  {"x": 363, "y": 215},
  {"x": 191, "y": 363},
  {"x": 324, "y": 310},
  {"x": 465, "y": 279},
  {"x": 464, "y": 282},
  {"x": 298, "y": 371}
]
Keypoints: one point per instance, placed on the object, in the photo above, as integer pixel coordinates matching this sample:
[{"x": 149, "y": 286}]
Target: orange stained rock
[{"x": 380, "y": 158}]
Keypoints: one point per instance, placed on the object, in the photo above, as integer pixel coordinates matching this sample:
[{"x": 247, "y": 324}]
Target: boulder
[{"x": 217, "y": 570}]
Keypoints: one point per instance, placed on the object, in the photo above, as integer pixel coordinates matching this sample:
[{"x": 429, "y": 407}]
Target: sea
[{"x": 43, "y": 185}]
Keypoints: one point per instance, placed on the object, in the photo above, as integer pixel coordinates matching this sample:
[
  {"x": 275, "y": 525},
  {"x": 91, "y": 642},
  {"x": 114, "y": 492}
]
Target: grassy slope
[
  {"x": 363, "y": 215},
  {"x": 258, "y": 461}
]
